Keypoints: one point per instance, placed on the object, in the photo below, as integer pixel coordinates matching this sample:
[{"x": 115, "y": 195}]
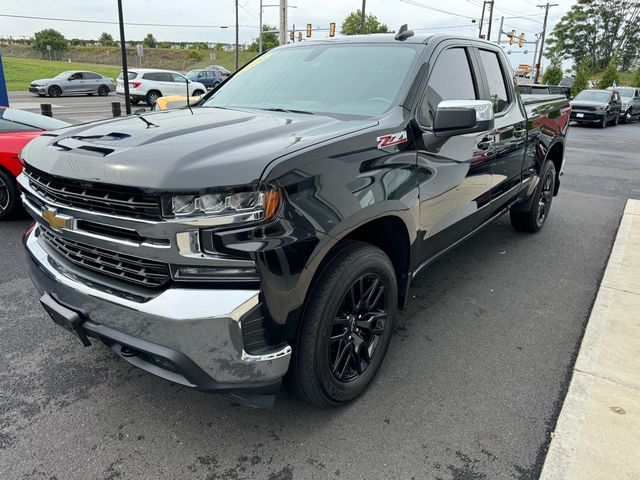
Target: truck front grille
[
  {"x": 94, "y": 197},
  {"x": 148, "y": 273}
]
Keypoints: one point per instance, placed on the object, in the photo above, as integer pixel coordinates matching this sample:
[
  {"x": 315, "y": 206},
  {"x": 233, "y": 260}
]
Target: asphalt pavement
[
  {"x": 72, "y": 109},
  {"x": 471, "y": 387}
]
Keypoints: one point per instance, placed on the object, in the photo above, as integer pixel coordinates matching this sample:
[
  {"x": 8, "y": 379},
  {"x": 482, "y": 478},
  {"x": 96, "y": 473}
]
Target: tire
[
  {"x": 198, "y": 93},
  {"x": 152, "y": 96},
  {"x": 534, "y": 219},
  {"x": 342, "y": 343},
  {"x": 615, "y": 120},
  {"x": 103, "y": 90},
  {"x": 54, "y": 91},
  {"x": 627, "y": 116},
  {"x": 9, "y": 195}
]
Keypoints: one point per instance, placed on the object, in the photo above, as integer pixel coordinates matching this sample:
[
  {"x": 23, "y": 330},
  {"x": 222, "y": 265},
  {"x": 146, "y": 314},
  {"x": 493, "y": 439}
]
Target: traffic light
[
  {"x": 308, "y": 30},
  {"x": 332, "y": 29},
  {"x": 299, "y": 36},
  {"x": 511, "y": 35},
  {"x": 521, "y": 40},
  {"x": 292, "y": 35}
]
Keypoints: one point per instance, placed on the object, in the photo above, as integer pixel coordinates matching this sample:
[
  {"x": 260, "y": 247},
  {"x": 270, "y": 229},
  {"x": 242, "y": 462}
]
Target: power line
[
  {"x": 105, "y": 22},
  {"x": 416, "y": 4}
]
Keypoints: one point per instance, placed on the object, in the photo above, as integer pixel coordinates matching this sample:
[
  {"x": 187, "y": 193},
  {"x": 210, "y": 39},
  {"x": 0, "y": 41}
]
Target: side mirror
[{"x": 456, "y": 117}]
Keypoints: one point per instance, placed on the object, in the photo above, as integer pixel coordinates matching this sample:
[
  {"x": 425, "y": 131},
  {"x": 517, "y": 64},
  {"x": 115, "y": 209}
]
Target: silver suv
[{"x": 148, "y": 85}]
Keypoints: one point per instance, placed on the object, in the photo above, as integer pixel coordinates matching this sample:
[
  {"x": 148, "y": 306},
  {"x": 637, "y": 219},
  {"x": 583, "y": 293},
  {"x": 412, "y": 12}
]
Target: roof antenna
[{"x": 404, "y": 33}]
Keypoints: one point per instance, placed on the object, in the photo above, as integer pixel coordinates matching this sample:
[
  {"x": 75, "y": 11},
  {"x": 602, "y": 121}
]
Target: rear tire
[
  {"x": 9, "y": 195},
  {"x": 346, "y": 328},
  {"x": 198, "y": 93},
  {"x": 534, "y": 219},
  {"x": 103, "y": 90},
  {"x": 152, "y": 96},
  {"x": 54, "y": 91}
]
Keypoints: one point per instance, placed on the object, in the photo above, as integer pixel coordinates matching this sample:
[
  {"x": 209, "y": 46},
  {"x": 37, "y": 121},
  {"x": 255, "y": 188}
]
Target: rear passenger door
[
  {"x": 510, "y": 135},
  {"x": 454, "y": 172},
  {"x": 91, "y": 81}
]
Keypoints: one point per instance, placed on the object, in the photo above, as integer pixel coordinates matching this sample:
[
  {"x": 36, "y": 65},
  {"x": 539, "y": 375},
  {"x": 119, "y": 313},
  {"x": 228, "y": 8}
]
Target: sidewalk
[{"x": 598, "y": 432}]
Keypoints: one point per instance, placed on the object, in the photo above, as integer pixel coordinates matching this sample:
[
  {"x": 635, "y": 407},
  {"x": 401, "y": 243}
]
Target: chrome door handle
[{"x": 486, "y": 143}]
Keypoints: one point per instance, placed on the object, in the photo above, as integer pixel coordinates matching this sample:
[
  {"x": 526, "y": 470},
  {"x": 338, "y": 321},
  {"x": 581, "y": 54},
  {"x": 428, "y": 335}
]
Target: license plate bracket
[
  {"x": 66, "y": 318},
  {"x": 580, "y": 115}
]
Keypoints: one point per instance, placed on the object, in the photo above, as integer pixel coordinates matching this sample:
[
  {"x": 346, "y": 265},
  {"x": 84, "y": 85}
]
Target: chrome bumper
[{"x": 201, "y": 324}]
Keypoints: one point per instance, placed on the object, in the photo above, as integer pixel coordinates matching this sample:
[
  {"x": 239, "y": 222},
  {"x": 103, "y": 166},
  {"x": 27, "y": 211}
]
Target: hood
[
  {"x": 42, "y": 80},
  {"x": 182, "y": 150},
  {"x": 586, "y": 103}
]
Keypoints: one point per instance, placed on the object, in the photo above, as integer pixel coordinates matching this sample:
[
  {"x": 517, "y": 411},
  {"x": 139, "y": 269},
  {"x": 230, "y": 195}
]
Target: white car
[{"x": 150, "y": 84}]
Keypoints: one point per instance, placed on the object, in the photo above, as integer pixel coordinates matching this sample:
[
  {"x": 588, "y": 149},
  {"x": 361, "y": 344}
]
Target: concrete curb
[{"x": 598, "y": 432}]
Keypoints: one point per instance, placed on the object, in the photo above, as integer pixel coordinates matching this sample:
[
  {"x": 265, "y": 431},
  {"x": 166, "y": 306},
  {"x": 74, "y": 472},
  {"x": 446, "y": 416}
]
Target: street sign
[
  {"x": 139, "y": 50},
  {"x": 212, "y": 56}
]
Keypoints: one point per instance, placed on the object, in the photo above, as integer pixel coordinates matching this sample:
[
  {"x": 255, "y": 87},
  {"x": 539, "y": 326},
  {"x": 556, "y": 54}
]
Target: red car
[{"x": 17, "y": 127}]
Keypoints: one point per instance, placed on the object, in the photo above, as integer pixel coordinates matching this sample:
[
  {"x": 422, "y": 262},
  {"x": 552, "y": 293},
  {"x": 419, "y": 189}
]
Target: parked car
[
  {"x": 17, "y": 128},
  {"x": 536, "y": 89},
  {"x": 209, "y": 78},
  {"x": 219, "y": 68},
  {"x": 73, "y": 82},
  {"x": 277, "y": 231},
  {"x": 150, "y": 84},
  {"x": 601, "y": 107},
  {"x": 174, "y": 101},
  {"x": 630, "y": 98}
]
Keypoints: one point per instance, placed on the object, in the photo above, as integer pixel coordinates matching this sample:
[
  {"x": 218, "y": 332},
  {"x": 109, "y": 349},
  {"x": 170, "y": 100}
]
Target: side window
[
  {"x": 444, "y": 85},
  {"x": 176, "y": 77},
  {"x": 496, "y": 79},
  {"x": 150, "y": 76},
  {"x": 76, "y": 76},
  {"x": 90, "y": 76}
]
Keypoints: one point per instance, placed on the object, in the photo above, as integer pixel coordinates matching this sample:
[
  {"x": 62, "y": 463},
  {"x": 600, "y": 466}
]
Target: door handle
[{"x": 519, "y": 133}]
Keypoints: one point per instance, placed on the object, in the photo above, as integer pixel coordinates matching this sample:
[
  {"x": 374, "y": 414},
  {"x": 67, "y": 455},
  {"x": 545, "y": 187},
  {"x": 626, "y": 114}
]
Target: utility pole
[
  {"x": 123, "y": 49},
  {"x": 484, "y": 4},
  {"x": 490, "y": 19},
  {"x": 283, "y": 22},
  {"x": 544, "y": 31},
  {"x": 500, "y": 31},
  {"x": 260, "y": 34},
  {"x": 235, "y": 56},
  {"x": 364, "y": 4}
]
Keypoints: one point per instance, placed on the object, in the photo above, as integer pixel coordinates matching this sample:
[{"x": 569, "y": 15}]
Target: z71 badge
[{"x": 392, "y": 139}]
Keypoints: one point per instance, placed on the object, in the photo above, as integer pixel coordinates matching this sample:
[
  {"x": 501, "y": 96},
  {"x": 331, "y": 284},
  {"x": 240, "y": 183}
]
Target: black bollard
[
  {"x": 116, "y": 109},
  {"x": 45, "y": 109}
]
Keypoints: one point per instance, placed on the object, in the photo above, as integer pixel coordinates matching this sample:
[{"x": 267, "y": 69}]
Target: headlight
[
  {"x": 247, "y": 206},
  {"x": 600, "y": 109}
]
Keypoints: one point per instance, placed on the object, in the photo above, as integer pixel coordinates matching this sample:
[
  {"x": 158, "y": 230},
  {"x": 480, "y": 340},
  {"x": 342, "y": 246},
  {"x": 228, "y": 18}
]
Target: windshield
[
  {"x": 28, "y": 121},
  {"x": 358, "y": 79},
  {"x": 593, "y": 96},
  {"x": 66, "y": 74}
]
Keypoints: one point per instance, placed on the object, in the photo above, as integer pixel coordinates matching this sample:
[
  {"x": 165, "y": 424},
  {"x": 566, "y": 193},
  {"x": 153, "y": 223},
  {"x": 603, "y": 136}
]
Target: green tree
[
  {"x": 610, "y": 74},
  {"x": 351, "y": 24},
  {"x": 107, "y": 40},
  {"x": 581, "y": 82},
  {"x": 269, "y": 39},
  {"x": 219, "y": 47},
  {"x": 50, "y": 37},
  {"x": 195, "y": 56},
  {"x": 553, "y": 74},
  {"x": 150, "y": 41},
  {"x": 598, "y": 30},
  {"x": 635, "y": 81}
]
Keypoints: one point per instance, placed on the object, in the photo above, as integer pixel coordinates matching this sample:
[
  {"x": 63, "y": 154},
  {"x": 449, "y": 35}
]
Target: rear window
[{"x": 131, "y": 75}]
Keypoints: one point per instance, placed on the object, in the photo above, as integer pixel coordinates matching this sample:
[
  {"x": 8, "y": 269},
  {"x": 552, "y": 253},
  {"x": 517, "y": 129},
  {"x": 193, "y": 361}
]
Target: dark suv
[
  {"x": 209, "y": 78},
  {"x": 601, "y": 107}
]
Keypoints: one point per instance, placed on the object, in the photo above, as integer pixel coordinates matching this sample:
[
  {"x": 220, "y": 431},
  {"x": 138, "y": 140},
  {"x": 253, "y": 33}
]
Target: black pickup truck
[{"x": 274, "y": 229}]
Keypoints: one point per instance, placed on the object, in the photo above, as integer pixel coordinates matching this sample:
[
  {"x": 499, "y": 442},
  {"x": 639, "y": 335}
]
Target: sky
[{"x": 456, "y": 16}]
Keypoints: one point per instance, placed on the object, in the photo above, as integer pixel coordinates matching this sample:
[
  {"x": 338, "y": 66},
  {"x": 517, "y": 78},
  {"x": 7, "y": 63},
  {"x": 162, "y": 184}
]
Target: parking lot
[{"x": 472, "y": 386}]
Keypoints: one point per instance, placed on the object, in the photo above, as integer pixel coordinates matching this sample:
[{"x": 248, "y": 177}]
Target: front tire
[
  {"x": 603, "y": 122},
  {"x": 54, "y": 91},
  {"x": 533, "y": 220},
  {"x": 346, "y": 328},
  {"x": 198, "y": 93},
  {"x": 9, "y": 195}
]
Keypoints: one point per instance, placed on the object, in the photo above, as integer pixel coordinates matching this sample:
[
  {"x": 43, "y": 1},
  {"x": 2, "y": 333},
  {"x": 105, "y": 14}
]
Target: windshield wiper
[{"x": 286, "y": 110}]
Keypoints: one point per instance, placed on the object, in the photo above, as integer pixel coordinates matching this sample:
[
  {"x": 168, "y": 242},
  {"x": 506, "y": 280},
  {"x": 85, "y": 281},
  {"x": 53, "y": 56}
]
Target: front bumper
[
  {"x": 188, "y": 336},
  {"x": 587, "y": 117},
  {"x": 38, "y": 90}
]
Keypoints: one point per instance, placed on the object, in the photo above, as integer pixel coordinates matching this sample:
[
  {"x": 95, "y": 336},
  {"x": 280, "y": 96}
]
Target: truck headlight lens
[{"x": 263, "y": 204}]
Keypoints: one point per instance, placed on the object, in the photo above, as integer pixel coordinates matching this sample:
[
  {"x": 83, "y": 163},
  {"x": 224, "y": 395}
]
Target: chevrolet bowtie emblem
[{"x": 55, "y": 220}]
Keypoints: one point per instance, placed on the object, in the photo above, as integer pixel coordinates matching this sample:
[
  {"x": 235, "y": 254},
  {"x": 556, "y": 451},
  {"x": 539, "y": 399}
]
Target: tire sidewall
[
  {"x": 341, "y": 392},
  {"x": 13, "y": 193},
  {"x": 548, "y": 169}
]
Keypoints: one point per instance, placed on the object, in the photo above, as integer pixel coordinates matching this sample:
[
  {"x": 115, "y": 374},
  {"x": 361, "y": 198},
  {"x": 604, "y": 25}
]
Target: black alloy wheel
[
  {"x": 55, "y": 91},
  {"x": 546, "y": 196},
  {"x": 357, "y": 328},
  {"x": 103, "y": 90}
]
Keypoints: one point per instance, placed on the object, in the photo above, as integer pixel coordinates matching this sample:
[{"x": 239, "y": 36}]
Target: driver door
[{"x": 74, "y": 84}]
